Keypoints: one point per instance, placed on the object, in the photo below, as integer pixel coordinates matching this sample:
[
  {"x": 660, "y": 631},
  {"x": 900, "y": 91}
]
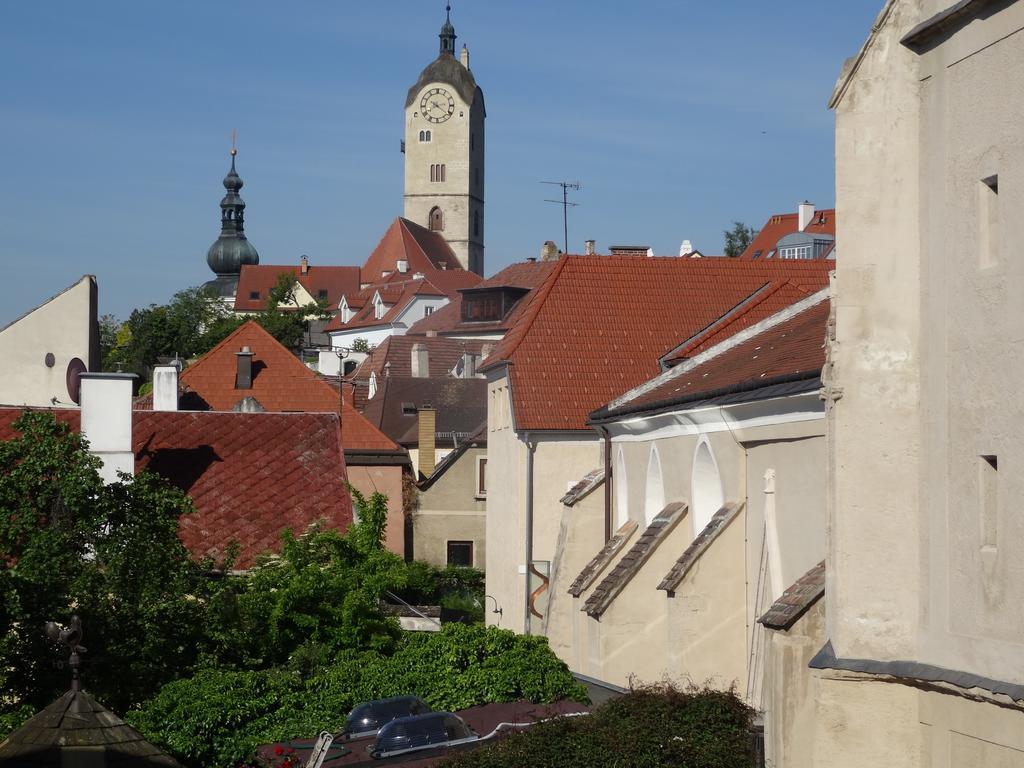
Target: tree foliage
[{"x": 738, "y": 238}]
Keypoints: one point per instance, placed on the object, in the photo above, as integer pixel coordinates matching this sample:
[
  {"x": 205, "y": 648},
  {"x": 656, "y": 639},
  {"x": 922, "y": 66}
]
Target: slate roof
[
  {"x": 781, "y": 224},
  {"x": 448, "y": 319},
  {"x": 281, "y": 383},
  {"x": 718, "y": 523},
  {"x": 405, "y": 240},
  {"x": 78, "y": 728},
  {"x": 631, "y": 563},
  {"x": 250, "y": 475},
  {"x": 600, "y": 561},
  {"x": 597, "y": 326},
  {"x": 796, "y": 600},
  {"x": 336, "y": 280},
  {"x": 790, "y": 348},
  {"x": 461, "y": 406}
]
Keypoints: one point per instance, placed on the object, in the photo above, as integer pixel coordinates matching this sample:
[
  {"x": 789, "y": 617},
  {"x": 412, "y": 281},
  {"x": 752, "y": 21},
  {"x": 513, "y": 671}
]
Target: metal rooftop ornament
[{"x": 72, "y": 638}]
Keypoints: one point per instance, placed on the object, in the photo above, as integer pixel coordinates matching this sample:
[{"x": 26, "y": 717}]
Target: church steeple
[
  {"x": 232, "y": 249},
  {"x": 447, "y": 33}
]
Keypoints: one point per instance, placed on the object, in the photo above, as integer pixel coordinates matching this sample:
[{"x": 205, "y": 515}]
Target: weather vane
[{"x": 71, "y": 637}]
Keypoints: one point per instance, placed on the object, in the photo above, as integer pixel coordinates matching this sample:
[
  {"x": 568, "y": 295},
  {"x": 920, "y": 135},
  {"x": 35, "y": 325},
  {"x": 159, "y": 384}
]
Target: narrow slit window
[
  {"x": 988, "y": 487},
  {"x": 988, "y": 222}
]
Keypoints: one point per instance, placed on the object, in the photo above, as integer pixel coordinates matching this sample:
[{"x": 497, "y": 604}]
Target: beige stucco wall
[
  {"x": 450, "y": 510},
  {"x": 64, "y": 326},
  {"x": 929, "y": 316},
  {"x": 387, "y": 480}
]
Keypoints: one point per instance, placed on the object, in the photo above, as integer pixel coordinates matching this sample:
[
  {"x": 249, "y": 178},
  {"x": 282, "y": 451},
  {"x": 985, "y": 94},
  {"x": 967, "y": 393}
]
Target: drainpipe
[
  {"x": 529, "y": 531},
  {"x": 607, "y": 481}
]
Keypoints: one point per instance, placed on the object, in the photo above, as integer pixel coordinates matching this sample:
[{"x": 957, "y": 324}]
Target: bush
[
  {"x": 218, "y": 717},
  {"x": 659, "y": 725}
]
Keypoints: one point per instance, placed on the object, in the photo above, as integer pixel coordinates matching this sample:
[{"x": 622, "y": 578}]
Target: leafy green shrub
[
  {"x": 217, "y": 718},
  {"x": 659, "y": 725}
]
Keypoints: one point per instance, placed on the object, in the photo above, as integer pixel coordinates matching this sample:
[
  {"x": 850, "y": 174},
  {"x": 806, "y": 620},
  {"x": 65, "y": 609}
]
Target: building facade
[{"x": 444, "y": 152}]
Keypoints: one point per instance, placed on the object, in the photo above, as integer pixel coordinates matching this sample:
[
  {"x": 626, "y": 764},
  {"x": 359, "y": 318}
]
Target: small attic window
[
  {"x": 254, "y": 294},
  {"x": 408, "y": 409},
  {"x": 322, "y": 293}
]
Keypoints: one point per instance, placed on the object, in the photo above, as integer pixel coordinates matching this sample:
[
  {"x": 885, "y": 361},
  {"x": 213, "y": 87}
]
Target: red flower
[{"x": 278, "y": 749}]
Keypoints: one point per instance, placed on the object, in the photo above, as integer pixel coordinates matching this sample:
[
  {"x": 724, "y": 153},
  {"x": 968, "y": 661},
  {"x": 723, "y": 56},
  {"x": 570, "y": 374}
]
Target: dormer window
[
  {"x": 344, "y": 313},
  {"x": 379, "y": 308},
  {"x": 254, "y": 295}
]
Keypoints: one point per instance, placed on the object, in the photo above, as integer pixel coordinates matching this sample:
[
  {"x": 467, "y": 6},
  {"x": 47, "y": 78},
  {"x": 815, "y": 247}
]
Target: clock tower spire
[{"x": 444, "y": 152}]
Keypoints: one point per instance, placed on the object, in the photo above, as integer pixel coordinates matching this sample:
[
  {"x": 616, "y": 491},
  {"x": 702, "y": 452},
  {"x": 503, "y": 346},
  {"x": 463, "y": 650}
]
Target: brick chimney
[
  {"x": 107, "y": 421},
  {"x": 427, "y": 440},
  {"x": 420, "y": 362},
  {"x": 304, "y": 264},
  {"x": 165, "y": 386},
  {"x": 243, "y": 375}
]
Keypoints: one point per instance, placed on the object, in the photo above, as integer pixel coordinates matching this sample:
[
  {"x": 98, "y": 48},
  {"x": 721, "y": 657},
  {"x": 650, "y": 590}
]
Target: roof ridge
[
  {"x": 731, "y": 315},
  {"x": 208, "y": 355}
]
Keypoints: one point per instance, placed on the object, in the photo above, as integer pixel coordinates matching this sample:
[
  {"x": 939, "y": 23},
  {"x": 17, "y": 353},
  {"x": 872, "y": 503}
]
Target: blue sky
[{"x": 677, "y": 117}]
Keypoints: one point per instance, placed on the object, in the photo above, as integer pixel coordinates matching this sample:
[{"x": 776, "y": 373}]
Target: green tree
[
  {"x": 284, "y": 318},
  {"x": 738, "y": 238}
]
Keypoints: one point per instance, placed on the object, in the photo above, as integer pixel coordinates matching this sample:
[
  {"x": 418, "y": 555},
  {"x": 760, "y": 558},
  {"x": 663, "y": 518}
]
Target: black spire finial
[
  {"x": 72, "y": 638},
  {"x": 231, "y": 250},
  {"x": 447, "y": 33}
]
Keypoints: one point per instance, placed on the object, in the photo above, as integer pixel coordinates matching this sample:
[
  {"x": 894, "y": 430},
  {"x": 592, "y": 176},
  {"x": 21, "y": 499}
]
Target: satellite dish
[{"x": 74, "y": 379}]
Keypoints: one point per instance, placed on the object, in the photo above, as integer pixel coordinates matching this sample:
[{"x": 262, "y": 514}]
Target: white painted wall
[{"x": 107, "y": 421}]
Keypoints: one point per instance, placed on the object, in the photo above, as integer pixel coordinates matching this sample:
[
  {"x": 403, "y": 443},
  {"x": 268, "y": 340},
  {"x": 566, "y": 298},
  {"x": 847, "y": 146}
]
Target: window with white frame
[
  {"x": 795, "y": 252},
  {"x": 378, "y": 307},
  {"x": 428, "y": 310},
  {"x": 481, "y": 477}
]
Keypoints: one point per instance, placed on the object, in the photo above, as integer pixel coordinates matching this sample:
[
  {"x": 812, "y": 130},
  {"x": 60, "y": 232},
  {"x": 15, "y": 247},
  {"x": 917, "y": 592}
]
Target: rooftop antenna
[
  {"x": 234, "y": 142},
  {"x": 564, "y": 202}
]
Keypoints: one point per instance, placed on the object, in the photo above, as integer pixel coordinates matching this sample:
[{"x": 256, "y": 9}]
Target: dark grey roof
[
  {"x": 77, "y": 723},
  {"x": 796, "y": 600},
  {"x": 447, "y": 69},
  {"x": 600, "y": 561},
  {"x": 582, "y": 489},
  {"x": 633, "y": 561},
  {"x": 461, "y": 406},
  {"x": 699, "y": 545}
]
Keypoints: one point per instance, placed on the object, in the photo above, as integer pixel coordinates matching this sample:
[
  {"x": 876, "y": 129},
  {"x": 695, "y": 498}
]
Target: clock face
[{"x": 437, "y": 105}]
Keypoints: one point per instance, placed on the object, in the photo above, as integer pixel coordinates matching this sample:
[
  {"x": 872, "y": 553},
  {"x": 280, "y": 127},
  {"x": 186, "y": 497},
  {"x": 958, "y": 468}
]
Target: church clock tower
[{"x": 444, "y": 152}]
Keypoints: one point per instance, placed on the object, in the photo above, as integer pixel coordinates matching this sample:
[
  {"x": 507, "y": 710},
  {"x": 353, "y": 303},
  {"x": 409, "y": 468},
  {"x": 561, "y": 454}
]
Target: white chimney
[
  {"x": 464, "y": 57},
  {"x": 304, "y": 264},
  {"x": 650, "y": 253},
  {"x": 107, "y": 421},
  {"x": 805, "y": 213},
  {"x": 468, "y": 365},
  {"x": 589, "y": 247},
  {"x": 420, "y": 362},
  {"x": 165, "y": 386},
  {"x": 403, "y": 266},
  {"x": 686, "y": 248}
]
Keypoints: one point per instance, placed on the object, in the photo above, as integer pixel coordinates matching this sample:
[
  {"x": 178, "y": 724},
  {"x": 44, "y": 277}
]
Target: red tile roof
[
  {"x": 397, "y": 293},
  {"x": 597, "y": 326},
  {"x": 782, "y": 224},
  {"x": 396, "y": 352},
  {"x": 337, "y": 281},
  {"x": 448, "y": 319},
  {"x": 407, "y": 241},
  {"x": 281, "y": 382},
  {"x": 790, "y": 348},
  {"x": 250, "y": 475}
]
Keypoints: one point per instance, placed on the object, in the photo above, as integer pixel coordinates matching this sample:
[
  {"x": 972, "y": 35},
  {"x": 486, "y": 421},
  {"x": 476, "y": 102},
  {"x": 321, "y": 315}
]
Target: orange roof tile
[
  {"x": 782, "y": 224},
  {"x": 598, "y": 326},
  {"x": 260, "y": 279},
  {"x": 407, "y": 241},
  {"x": 398, "y": 294}
]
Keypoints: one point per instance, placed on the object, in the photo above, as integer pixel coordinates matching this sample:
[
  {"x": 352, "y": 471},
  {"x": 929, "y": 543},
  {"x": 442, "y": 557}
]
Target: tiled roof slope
[
  {"x": 781, "y": 224},
  {"x": 396, "y": 351},
  {"x": 600, "y": 561},
  {"x": 448, "y": 319},
  {"x": 796, "y": 600},
  {"x": 598, "y": 326},
  {"x": 631, "y": 563},
  {"x": 337, "y": 281},
  {"x": 791, "y": 348},
  {"x": 281, "y": 382},
  {"x": 407, "y": 241},
  {"x": 461, "y": 406},
  {"x": 250, "y": 475},
  {"x": 397, "y": 293}
]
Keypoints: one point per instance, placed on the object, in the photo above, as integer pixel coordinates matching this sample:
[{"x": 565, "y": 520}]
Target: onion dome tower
[{"x": 232, "y": 249}]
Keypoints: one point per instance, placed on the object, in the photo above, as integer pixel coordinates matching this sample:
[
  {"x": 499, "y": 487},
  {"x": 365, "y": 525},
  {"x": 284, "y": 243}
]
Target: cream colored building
[
  {"x": 444, "y": 152},
  {"x": 925, "y": 588},
  {"x": 43, "y": 352}
]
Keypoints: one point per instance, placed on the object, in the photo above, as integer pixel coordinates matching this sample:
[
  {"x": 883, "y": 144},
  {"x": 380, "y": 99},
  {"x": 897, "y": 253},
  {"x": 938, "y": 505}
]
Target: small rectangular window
[
  {"x": 988, "y": 222},
  {"x": 460, "y": 553},
  {"x": 254, "y": 294},
  {"x": 428, "y": 311},
  {"x": 322, "y": 293},
  {"x": 481, "y": 477}
]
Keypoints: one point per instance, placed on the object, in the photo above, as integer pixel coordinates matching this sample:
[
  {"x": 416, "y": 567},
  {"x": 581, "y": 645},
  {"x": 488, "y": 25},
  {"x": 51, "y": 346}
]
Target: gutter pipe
[{"x": 529, "y": 532}]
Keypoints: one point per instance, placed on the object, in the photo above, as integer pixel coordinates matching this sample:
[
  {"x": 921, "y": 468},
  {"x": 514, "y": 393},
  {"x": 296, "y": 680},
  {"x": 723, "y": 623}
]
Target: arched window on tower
[
  {"x": 436, "y": 222},
  {"x": 433, "y": 172},
  {"x": 424, "y": 136}
]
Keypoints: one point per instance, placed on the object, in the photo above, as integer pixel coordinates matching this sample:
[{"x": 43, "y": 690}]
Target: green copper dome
[{"x": 232, "y": 249}]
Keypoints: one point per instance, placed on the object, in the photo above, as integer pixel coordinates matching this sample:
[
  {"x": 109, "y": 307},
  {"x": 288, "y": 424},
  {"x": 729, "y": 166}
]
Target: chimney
[
  {"x": 589, "y": 247},
  {"x": 403, "y": 266},
  {"x": 420, "y": 362},
  {"x": 427, "y": 440},
  {"x": 468, "y": 365},
  {"x": 243, "y": 375},
  {"x": 165, "y": 386},
  {"x": 485, "y": 351},
  {"x": 464, "y": 57},
  {"x": 805, "y": 213},
  {"x": 531, "y": 259},
  {"x": 304, "y": 264},
  {"x": 107, "y": 421},
  {"x": 686, "y": 248},
  {"x": 442, "y": 264},
  {"x": 549, "y": 251}
]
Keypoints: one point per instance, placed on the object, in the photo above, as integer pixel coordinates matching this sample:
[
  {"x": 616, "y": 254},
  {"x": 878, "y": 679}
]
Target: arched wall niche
[{"x": 706, "y": 487}]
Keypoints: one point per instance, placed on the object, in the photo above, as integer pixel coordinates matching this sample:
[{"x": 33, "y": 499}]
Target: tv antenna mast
[{"x": 564, "y": 202}]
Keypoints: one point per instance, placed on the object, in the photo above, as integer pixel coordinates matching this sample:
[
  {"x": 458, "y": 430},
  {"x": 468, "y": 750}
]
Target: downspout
[
  {"x": 529, "y": 532},
  {"x": 607, "y": 481}
]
